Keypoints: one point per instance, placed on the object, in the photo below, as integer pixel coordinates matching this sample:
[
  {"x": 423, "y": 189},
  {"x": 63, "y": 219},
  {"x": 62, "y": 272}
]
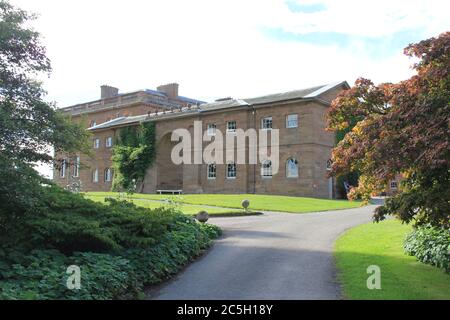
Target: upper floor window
[
  {"x": 292, "y": 168},
  {"x": 108, "y": 174},
  {"x": 292, "y": 121},
  {"x": 95, "y": 175},
  {"x": 76, "y": 167},
  {"x": 266, "y": 123},
  {"x": 62, "y": 169},
  {"x": 231, "y": 126},
  {"x": 231, "y": 170},
  {"x": 211, "y": 130},
  {"x": 109, "y": 142},
  {"x": 394, "y": 185},
  {"x": 212, "y": 170},
  {"x": 266, "y": 169},
  {"x": 96, "y": 143}
]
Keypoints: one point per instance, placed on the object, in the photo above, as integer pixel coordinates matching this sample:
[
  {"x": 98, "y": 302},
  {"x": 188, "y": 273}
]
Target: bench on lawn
[{"x": 169, "y": 191}]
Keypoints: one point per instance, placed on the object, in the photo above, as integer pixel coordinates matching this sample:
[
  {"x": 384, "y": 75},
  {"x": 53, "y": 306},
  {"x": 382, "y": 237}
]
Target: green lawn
[
  {"x": 185, "y": 208},
  {"x": 257, "y": 202},
  {"x": 402, "y": 276}
]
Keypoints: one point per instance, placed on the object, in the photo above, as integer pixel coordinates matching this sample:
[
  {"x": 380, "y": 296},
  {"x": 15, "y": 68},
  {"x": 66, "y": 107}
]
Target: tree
[
  {"x": 401, "y": 128},
  {"x": 29, "y": 126}
]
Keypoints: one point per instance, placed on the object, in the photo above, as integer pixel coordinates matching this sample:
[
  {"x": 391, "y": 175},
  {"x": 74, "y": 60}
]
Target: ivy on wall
[{"x": 133, "y": 153}]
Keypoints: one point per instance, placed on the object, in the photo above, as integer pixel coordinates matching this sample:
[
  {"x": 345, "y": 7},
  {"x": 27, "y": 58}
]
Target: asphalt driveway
[{"x": 273, "y": 256}]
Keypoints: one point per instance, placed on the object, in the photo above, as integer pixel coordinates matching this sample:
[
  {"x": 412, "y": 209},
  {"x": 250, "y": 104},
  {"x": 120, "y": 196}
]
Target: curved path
[{"x": 274, "y": 256}]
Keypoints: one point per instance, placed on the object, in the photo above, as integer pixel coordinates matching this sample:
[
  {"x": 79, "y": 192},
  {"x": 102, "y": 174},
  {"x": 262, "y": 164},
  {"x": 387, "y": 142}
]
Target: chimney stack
[
  {"x": 108, "y": 92},
  {"x": 170, "y": 89}
]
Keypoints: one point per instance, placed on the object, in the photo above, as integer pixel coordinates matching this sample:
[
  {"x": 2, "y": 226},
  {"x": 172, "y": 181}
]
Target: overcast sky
[{"x": 224, "y": 48}]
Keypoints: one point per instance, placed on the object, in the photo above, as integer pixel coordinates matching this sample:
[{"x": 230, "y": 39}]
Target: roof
[
  {"x": 119, "y": 122},
  {"x": 302, "y": 94}
]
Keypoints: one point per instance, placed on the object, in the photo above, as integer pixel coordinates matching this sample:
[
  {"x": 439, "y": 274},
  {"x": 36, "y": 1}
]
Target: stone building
[{"x": 300, "y": 116}]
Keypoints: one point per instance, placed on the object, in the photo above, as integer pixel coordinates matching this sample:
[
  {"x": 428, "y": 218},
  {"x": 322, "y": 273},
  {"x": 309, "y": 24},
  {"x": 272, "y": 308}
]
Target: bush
[
  {"x": 42, "y": 273},
  {"x": 430, "y": 245},
  {"x": 68, "y": 222},
  {"x": 119, "y": 247}
]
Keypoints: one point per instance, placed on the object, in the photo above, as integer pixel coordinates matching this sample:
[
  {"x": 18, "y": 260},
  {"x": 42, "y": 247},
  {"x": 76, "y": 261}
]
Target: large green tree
[
  {"x": 29, "y": 126},
  {"x": 401, "y": 128}
]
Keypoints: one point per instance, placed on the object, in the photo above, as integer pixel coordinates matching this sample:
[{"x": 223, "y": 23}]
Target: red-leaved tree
[{"x": 401, "y": 128}]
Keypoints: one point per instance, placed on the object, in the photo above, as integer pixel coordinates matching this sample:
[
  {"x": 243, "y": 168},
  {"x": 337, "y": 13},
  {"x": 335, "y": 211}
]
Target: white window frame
[
  {"x": 109, "y": 142},
  {"x": 108, "y": 175},
  {"x": 76, "y": 167},
  {"x": 265, "y": 121},
  {"x": 394, "y": 185},
  {"x": 266, "y": 169},
  {"x": 231, "y": 170},
  {"x": 211, "y": 129},
  {"x": 62, "y": 170},
  {"x": 232, "y": 130},
  {"x": 292, "y": 123},
  {"x": 289, "y": 173},
  {"x": 95, "y": 176},
  {"x": 96, "y": 143},
  {"x": 211, "y": 173}
]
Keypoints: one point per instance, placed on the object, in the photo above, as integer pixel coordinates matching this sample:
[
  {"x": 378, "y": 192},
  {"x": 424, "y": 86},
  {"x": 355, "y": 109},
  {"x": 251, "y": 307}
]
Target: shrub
[
  {"x": 430, "y": 245},
  {"x": 68, "y": 222},
  {"x": 41, "y": 274}
]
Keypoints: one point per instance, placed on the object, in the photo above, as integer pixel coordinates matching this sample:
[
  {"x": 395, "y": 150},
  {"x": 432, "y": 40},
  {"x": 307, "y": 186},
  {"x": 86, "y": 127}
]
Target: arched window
[
  {"x": 212, "y": 171},
  {"x": 266, "y": 169},
  {"x": 329, "y": 164},
  {"x": 231, "y": 170},
  {"x": 108, "y": 174},
  {"x": 292, "y": 168}
]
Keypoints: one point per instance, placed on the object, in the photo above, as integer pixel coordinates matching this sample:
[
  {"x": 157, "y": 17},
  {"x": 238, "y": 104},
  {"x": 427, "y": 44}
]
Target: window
[
  {"x": 231, "y": 170},
  {"x": 231, "y": 126},
  {"x": 212, "y": 171},
  {"x": 329, "y": 164},
  {"x": 211, "y": 129},
  {"x": 62, "y": 169},
  {"x": 394, "y": 185},
  {"x": 109, "y": 142},
  {"x": 96, "y": 143},
  {"x": 292, "y": 121},
  {"x": 76, "y": 167},
  {"x": 93, "y": 123},
  {"x": 292, "y": 168},
  {"x": 108, "y": 174},
  {"x": 267, "y": 123},
  {"x": 95, "y": 175},
  {"x": 266, "y": 169}
]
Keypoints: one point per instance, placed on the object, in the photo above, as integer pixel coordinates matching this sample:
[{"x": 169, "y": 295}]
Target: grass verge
[
  {"x": 257, "y": 202},
  {"x": 402, "y": 276}
]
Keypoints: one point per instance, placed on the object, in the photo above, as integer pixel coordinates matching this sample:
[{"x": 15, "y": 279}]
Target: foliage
[
  {"x": 68, "y": 222},
  {"x": 29, "y": 126},
  {"x": 402, "y": 129},
  {"x": 430, "y": 245},
  {"x": 133, "y": 154},
  {"x": 42, "y": 273}
]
